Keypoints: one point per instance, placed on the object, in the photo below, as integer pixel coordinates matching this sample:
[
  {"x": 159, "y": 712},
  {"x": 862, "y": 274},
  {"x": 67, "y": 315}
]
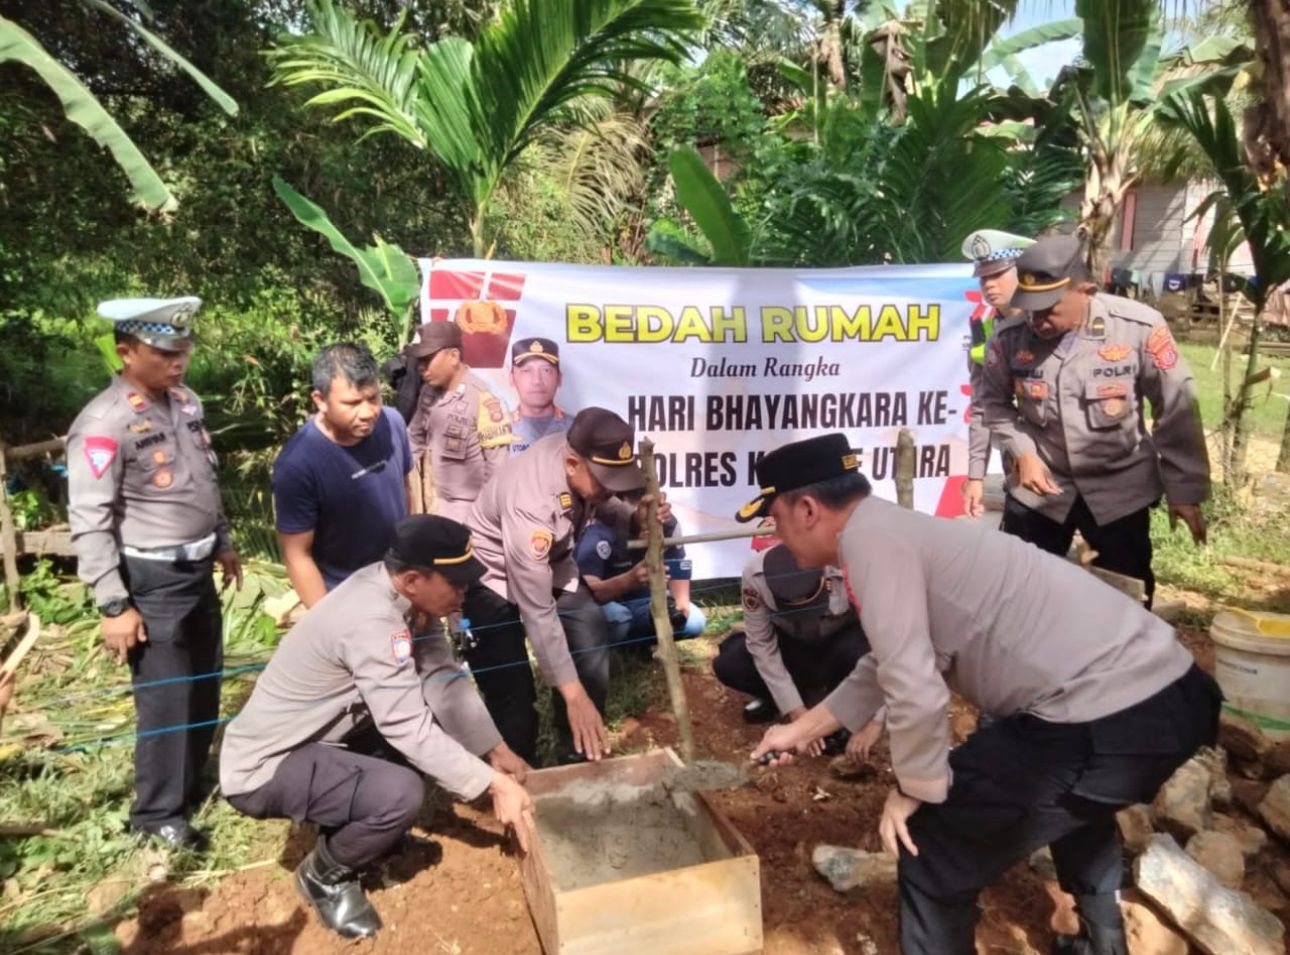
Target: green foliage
[
  {"x": 711, "y": 104},
  {"x": 705, "y": 199},
  {"x": 54, "y": 598}
]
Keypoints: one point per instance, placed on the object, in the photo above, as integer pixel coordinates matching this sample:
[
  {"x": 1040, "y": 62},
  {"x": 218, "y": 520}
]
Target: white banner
[{"x": 719, "y": 366}]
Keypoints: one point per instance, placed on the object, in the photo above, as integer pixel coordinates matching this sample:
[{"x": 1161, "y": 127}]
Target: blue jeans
[{"x": 630, "y": 622}]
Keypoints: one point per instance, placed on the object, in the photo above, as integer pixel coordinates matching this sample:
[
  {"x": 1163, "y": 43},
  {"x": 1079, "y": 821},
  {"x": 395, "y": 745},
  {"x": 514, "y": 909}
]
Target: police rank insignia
[
  {"x": 136, "y": 401},
  {"x": 141, "y": 427},
  {"x": 540, "y": 543},
  {"x": 401, "y": 646},
  {"x": 566, "y": 501},
  {"x": 1161, "y": 347},
  {"x": 99, "y": 452},
  {"x": 1114, "y": 352}
]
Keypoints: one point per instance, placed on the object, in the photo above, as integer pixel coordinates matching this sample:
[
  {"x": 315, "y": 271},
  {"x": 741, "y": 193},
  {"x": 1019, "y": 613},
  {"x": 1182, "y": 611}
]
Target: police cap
[
  {"x": 992, "y": 251},
  {"x": 164, "y": 323},
  {"x": 527, "y": 348},
  {"x": 795, "y": 588},
  {"x": 605, "y": 441},
  {"x": 1046, "y": 271},
  {"x": 796, "y": 465},
  {"x": 434, "y": 543},
  {"x": 434, "y": 337}
]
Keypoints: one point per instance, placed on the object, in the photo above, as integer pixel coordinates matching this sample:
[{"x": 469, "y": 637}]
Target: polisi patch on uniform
[
  {"x": 136, "y": 401},
  {"x": 1112, "y": 390},
  {"x": 1037, "y": 389},
  {"x": 99, "y": 452},
  {"x": 163, "y": 478},
  {"x": 1161, "y": 348},
  {"x": 603, "y": 550},
  {"x": 751, "y": 600},
  {"x": 401, "y": 646},
  {"x": 141, "y": 427},
  {"x": 540, "y": 543},
  {"x": 1114, "y": 352}
]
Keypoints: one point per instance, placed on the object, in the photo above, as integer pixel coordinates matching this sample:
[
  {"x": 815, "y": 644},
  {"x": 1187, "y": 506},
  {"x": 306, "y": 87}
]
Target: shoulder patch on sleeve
[
  {"x": 1160, "y": 346},
  {"x": 540, "y": 541},
  {"x": 751, "y": 601},
  {"x": 100, "y": 451},
  {"x": 603, "y": 550},
  {"x": 401, "y": 646}
]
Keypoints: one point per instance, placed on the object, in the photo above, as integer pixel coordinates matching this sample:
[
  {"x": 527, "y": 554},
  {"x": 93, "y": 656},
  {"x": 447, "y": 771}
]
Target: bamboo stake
[
  {"x": 658, "y": 604},
  {"x": 905, "y": 468},
  {"x": 705, "y": 538},
  {"x": 8, "y": 537}
]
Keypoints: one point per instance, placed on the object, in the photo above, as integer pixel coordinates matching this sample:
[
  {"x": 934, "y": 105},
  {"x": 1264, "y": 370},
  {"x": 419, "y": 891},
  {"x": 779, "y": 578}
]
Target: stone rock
[
  {"x": 1041, "y": 863},
  {"x": 850, "y": 869},
  {"x": 1277, "y": 760},
  {"x": 1275, "y": 808},
  {"x": 1220, "y": 788},
  {"x": 1248, "y": 793},
  {"x": 1241, "y": 737},
  {"x": 1218, "y": 920},
  {"x": 1182, "y": 805},
  {"x": 1221, "y": 854},
  {"x": 1135, "y": 827},
  {"x": 1147, "y": 932},
  {"x": 1248, "y": 836},
  {"x": 1281, "y": 876}
]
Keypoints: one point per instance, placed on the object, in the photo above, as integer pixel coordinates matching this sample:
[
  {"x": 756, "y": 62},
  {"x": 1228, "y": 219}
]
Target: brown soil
[{"x": 459, "y": 891}]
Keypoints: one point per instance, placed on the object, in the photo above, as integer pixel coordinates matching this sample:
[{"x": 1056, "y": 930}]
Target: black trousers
[
  {"x": 500, "y": 664},
  {"x": 816, "y": 667},
  {"x": 363, "y": 804},
  {"x": 176, "y": 675},
  {"x": 1123, "y": 546},
  {"x": 1021, "y": 784}
]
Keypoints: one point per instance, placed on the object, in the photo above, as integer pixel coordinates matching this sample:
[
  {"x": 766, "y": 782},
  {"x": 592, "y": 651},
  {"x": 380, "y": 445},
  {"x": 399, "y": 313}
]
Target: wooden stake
[
  {"x": 24, "y": 647},
  {"x": 8, "y": 538},
  {"x": 658, "y": 605},
  {"x": 641, "y": 542},
  {"x": 905, "y": 466}
]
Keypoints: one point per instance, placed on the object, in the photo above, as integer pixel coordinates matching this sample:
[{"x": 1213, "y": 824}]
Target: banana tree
[
  {"x": 701, "y": 194},
  {"x": 1120, "y": 89},
  {"x": 384, "y": 267},
  {"x": 1262, "y": 212},
  {"x": 83, "y": 109},
  {"x": 475, "y": 107}
]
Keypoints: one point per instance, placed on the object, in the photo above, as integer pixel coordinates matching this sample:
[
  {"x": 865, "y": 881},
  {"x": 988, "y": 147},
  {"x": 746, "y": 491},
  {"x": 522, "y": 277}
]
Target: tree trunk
[
  {"x": 1267, "y": 123},
  {"x": 477, "y": 232},
  {"x": 1283, "y": 458},
  {"x": 1240, "y": 423}
]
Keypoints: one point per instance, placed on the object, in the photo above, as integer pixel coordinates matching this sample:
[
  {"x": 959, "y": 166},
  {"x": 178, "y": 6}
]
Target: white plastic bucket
[{"x": 1252, "y": 665}]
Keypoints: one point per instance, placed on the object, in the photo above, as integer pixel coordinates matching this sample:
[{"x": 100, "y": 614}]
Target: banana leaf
[{"x": 703, "y": 196}]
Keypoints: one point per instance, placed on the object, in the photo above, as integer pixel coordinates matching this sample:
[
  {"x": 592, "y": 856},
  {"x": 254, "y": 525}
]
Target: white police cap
[
  {"x": 994, "y": 251},
  {"x": 159, "y": 322}
]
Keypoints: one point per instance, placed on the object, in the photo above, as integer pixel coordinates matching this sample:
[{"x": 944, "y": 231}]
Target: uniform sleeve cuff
[
  {"x": 474, "y": 782},
  {"x": 976, "y": 471},
  {"x": 924, "y": 790},
  {"x": 1187, "y": 492},
  {"x": 852, "y": 714},
  {"x": 109, "y": 587},
  {"x": 787, "y": 702}
]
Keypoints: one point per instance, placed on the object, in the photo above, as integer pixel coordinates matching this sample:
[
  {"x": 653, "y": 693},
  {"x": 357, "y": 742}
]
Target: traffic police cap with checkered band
[
  {"x": 797, "y": 465},
  {"x": 993, "y": 251},
  {"x": 1046, "y": 271},
  {"x": 605, "y": 441},
  {"x": 164, "y": 323}
]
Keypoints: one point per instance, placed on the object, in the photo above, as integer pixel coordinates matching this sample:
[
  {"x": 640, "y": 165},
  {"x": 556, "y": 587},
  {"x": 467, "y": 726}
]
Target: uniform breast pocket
[
  {"x": 1032, "y": 399},
  {"x": 452, "y": 446},
  {"x": 1108, "y": 404}
]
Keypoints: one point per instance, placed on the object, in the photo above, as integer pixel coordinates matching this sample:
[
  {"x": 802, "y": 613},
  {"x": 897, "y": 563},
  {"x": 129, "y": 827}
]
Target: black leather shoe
[
  {"x": 176, "y": 835},
  {"x": 760, "y": 711},
  {"x": 336, "y": 895},
  {"x": 1093, "y": 939}
]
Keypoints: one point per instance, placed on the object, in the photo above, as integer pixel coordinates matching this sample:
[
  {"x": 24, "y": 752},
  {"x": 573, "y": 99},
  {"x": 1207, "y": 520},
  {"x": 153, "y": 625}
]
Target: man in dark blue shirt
[
  {"x": 340, "y": 484},
  {"x": 621, "y": 586}
]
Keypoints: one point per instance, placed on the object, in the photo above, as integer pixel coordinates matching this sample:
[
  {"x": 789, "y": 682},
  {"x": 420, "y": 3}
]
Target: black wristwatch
[{"x": 114, "y": 608}]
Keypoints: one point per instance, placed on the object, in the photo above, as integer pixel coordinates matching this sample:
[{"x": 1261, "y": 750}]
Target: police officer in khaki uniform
[
  {"x": 994, "y": 263},
  {"x": 536, "y": 377},
  {"x": 1097, "y": 702},
  {"x": 1066, "y": 394},
  {"x": 148, "y": 526},
  {"x": 801, "y": 637},
  {"x": 349, "y": 678},
  {"x": 459, "y": 424},
  {"x": 525, "y": 524}
]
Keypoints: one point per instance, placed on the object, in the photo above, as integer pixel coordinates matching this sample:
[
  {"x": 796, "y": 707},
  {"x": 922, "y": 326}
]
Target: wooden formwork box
[{"x": 713, "y": 908}]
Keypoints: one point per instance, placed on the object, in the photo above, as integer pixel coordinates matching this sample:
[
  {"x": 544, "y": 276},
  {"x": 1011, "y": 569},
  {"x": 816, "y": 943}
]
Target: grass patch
[{"x": 1267, "y": 412}]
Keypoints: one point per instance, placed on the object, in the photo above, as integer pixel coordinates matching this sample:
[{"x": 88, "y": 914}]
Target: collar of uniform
[
  {"x": 1094, "y": 326},
  {"x": 400, "y": 603}
]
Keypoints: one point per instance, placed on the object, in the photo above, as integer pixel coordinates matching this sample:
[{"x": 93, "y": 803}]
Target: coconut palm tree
[{"x": 475, "y": 107}]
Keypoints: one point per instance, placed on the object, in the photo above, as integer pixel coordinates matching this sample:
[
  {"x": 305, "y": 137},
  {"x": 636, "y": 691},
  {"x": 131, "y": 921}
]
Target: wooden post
[
  {"x": 905, "y": 464},
  {"x": 658, "y": 605},
  {"x": 8, "y": 538}
]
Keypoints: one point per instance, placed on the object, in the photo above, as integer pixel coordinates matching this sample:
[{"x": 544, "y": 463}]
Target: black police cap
[
  {"x": 606, "y": 442},
  {"x": 794, "y": 587},
  {"x": 797, "y": 465},
  {"x": 431, "y": 542}
]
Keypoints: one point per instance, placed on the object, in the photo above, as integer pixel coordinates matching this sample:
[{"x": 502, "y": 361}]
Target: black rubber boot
[
  {"x": 336, "y": 895},
  {"x": 1093, "y": 939}
]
